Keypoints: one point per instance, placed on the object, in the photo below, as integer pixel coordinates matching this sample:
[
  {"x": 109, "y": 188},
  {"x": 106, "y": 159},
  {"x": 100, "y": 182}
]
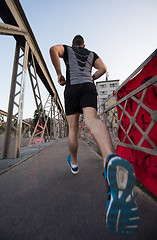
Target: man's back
[{"x": 79, "y": 62}]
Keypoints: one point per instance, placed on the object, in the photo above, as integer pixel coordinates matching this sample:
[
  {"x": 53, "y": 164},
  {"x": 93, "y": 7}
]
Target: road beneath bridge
[{"x": 40, "y": 199}]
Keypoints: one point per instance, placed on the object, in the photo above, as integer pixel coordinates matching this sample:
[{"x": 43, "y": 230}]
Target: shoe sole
[
  {"x": 122, "y": 214},
  {"x": 74, "y": 172}
]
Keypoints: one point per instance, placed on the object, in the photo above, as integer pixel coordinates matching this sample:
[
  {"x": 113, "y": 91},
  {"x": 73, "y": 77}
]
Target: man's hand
[{"x": 61, "y": 80}]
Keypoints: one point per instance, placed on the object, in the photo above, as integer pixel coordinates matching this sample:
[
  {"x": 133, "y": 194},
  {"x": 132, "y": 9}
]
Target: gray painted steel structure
[{"x": 27, "y": 49}]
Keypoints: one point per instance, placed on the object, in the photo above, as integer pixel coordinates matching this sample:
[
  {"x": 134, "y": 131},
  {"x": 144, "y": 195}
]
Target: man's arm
[
  {"x": 57, "y": 52},
  {"x": 98, "y": 64}
]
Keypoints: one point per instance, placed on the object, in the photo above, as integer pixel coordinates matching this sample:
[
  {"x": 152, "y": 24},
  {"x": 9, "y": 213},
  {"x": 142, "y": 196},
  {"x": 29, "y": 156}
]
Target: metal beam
[
  {"x": 7, "y": 29},
  {"x": 11, "y": 104},
  {"x": 21, "y": 103}
]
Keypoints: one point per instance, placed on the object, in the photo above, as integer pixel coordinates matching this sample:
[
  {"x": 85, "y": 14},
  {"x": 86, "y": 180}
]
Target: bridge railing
[{"x": 131, "y": 117}]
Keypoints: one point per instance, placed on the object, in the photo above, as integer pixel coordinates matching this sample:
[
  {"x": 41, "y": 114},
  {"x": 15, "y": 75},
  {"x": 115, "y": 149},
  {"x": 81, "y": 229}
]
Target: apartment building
[{"x": 104, "y": 89}]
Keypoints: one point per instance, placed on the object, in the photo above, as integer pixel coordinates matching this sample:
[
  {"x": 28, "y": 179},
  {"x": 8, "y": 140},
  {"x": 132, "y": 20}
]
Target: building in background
[{"x": 104, "y": 90}]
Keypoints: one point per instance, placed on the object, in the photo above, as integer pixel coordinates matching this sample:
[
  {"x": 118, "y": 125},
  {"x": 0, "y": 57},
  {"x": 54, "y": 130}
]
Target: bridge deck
[{"x": 41, "y": 199}]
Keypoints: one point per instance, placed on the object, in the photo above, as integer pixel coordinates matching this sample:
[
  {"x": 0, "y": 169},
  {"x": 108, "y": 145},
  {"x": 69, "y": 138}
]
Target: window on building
[
  {"x": 113, "y": 85},
  {"x": 102, "y": 99},
  {"x": 102, "y": 86},
  {"x": 103, "y": 92}
]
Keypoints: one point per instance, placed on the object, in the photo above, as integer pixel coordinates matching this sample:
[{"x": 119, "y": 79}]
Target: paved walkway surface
[
  {"x": 25, "y": 153},
  {"x": 40, "y": 199}
]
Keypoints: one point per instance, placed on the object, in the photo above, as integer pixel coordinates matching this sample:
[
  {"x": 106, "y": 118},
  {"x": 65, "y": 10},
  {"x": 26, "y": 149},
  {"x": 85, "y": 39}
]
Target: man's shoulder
[{"x": 66, "y": 46}]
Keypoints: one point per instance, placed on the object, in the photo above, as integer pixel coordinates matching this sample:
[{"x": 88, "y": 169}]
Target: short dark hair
[{"x": 78, "y": 40}]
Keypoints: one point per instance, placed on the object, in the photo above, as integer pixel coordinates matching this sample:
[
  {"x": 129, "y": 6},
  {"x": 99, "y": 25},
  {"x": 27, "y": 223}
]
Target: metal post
[
  {"x": 36, "y": 93},
  {"x": 54, "y": 120},
  {"x": 6, "y": 145},
  {"x": 21, "y": 102},
  {"x": 58, "y": 123},
  {"x": 102, "y": 112},
  {"x": 63, "y": 128},
  {"x": 51, "y": 119},
  {"x": 45, "y": 126},
  {"x": 65, "y": 132},
  {"x": 60, "y": 128}
]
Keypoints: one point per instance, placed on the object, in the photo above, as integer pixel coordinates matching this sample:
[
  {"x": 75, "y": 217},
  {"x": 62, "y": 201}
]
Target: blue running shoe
[
  {"x": 122, "y": 215},
  {"x": 74, "y": 170}
]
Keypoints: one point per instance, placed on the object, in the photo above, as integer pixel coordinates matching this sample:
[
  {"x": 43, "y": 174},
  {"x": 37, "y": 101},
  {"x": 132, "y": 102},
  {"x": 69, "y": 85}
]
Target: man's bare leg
[
  {"x": 73, "y": 122},
  {"x": 99, "y": 130}
]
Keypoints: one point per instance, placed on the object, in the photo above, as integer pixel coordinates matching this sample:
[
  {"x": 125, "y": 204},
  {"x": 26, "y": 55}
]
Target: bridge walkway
[{"x": 40, "y": 199}]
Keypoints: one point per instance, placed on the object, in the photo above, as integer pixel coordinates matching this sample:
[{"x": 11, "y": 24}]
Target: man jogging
[{"x": 80, "y": 96}]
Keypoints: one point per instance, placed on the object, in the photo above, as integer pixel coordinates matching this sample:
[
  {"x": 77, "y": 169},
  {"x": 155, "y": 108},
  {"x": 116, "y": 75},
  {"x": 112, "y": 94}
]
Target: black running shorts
[{"x": 80, "y": 96}]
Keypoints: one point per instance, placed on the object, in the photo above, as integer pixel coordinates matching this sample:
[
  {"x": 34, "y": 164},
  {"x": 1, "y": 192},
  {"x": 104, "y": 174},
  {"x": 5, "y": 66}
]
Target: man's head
[{"x": 78, "y": 41}]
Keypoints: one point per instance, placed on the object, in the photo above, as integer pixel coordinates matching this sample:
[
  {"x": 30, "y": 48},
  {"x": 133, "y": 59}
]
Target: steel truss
[{"x": 28, "y": 56}]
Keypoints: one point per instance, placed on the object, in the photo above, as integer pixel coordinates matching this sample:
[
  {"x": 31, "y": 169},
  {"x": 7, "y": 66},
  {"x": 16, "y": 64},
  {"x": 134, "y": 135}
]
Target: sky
[{"x": 122, "y": 32}]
